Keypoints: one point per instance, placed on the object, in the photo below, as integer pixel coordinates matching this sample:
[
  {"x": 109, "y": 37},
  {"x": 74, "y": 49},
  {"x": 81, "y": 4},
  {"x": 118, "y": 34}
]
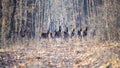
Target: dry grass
[{"x": 67, "y": 54}]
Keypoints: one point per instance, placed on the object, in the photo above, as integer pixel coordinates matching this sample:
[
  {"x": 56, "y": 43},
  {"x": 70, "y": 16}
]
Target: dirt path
[{"x": 72, "y": 54}]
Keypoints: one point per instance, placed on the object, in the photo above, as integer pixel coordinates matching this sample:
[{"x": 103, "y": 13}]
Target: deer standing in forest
[
  {"x": 58, "y": 33},
  {"x": 25, "y": 31},
  {"x": 83, "y": 31},
  {"x": 51, "y": 34}
]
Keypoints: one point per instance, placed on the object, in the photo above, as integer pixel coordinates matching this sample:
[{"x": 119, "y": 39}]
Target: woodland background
[{"x": 101, "y": 17}]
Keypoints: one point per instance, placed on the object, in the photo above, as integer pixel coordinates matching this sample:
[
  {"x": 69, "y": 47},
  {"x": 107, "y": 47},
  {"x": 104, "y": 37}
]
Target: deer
[
  {"x": 25, "y": 31},
  {"x": 83, "y": 31},
  {"x": 58, "y": 33}
]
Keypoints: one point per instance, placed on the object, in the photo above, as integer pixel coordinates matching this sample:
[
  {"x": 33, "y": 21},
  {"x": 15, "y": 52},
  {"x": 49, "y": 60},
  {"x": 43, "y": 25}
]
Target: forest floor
[{"x": 56, "y": 54}]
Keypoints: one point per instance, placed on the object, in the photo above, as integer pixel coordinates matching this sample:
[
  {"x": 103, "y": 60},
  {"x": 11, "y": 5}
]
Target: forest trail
[{"x": 54, "y": 54}]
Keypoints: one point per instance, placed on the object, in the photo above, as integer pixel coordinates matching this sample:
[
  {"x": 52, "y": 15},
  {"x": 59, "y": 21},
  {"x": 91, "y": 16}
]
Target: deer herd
[{"x": 66, "y": 33}]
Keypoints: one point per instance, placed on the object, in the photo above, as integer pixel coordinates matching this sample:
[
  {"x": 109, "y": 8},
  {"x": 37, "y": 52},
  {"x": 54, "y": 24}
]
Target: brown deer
[
  {"x": 83, "y": 31},
  {"x": 25, "y": 31}
]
